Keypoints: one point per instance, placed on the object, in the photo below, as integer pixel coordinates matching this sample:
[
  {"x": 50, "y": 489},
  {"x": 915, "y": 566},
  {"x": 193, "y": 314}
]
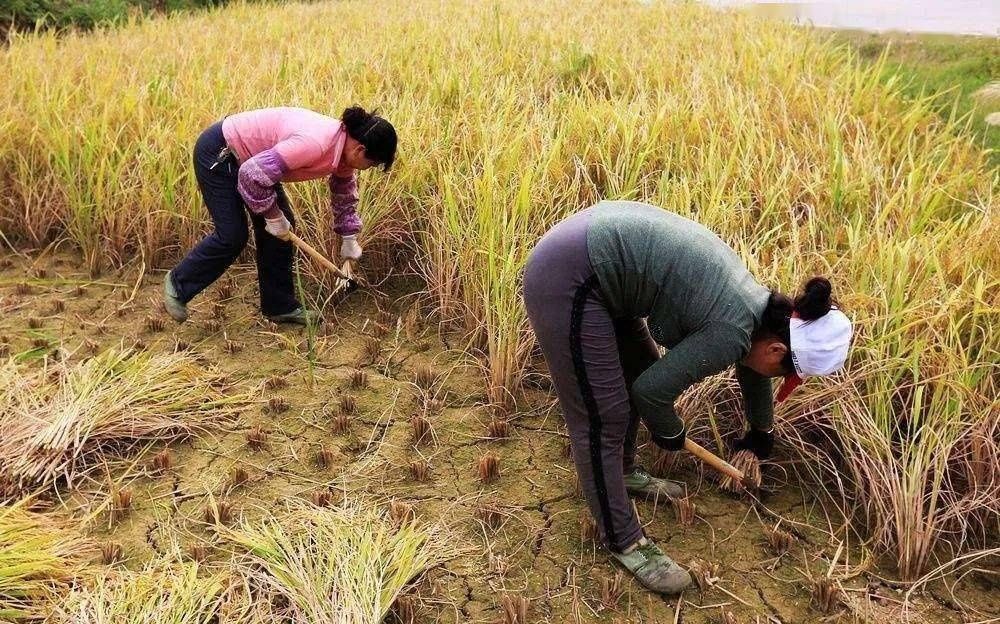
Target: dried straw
[{"x": 61, "y": 426}]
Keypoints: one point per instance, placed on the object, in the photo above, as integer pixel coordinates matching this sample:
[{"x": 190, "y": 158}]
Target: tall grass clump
[
  {"x": 514, "y": 115},
  {"x": 61, "y": 420},
  {"x": 39, "y": 557},
  {"x": 336, "y": 565}
]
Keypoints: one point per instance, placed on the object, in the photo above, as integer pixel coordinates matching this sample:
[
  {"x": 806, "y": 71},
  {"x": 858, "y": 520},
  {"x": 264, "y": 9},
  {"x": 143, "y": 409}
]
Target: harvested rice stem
[
  {"x": 747, "y": 463},
  {"x": 684, "y": 509},
  {"x": 489, "y": 468},
  {"x": 515, "y": 609}
]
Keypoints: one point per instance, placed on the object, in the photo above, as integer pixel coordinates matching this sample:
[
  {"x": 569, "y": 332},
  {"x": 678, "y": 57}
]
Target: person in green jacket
[{"x": 604, "y": 289}]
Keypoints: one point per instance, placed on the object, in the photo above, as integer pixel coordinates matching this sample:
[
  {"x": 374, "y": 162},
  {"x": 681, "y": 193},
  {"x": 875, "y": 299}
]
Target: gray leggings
[{"x": 593, "y": 360}]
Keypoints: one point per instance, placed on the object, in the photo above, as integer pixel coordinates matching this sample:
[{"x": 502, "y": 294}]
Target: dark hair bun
[
  {"x": 816, "y": 299},
  {"x": 356, "y": 119},
  {"x": 375, "y": 133}
]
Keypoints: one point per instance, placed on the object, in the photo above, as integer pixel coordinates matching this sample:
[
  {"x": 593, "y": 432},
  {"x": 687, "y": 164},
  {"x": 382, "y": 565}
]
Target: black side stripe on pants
[{"x": 593, "y": 414}]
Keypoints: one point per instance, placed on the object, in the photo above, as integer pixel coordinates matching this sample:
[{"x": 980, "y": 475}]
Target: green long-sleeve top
[{"x": 697, "y": 296}]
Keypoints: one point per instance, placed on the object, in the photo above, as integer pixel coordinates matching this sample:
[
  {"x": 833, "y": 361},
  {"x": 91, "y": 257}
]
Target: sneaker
[
  {"x": 641, "y": 483},
  {"x": 299, "y": 315},
  {"x": 653, "y": 569},
  {"x": 175, "y": 307}
]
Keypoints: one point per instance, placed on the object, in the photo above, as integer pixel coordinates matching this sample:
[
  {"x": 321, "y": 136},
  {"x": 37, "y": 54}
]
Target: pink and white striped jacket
[{"x": 290, "y": 145}]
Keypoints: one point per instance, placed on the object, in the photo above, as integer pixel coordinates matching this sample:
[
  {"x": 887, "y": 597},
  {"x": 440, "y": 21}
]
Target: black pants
[
  {"x": 593, "y": 359},
  {"x": 216, "y": 252}
]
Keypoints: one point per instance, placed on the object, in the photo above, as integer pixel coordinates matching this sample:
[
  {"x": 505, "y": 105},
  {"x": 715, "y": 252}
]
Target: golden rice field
[{"x": 512, "y": 115}]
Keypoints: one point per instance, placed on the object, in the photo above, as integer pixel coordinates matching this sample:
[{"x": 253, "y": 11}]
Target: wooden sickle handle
[
  {"x": 318, "y": 257},
  {"x": 712, "y": 460}
]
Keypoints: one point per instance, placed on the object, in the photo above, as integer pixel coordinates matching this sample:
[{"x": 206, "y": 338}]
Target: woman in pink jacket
[{"x": 240, "y": 163}]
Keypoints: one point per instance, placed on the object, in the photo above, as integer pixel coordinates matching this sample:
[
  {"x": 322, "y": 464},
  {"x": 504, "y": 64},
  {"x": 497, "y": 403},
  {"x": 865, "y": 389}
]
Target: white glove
[
  {"x": 349, "y": 248},
  {"x": 278, "y": 227}
]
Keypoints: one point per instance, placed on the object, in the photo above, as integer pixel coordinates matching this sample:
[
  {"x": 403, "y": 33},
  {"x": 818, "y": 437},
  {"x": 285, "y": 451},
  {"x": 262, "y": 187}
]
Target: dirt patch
[{"x": 527, "y": 525}]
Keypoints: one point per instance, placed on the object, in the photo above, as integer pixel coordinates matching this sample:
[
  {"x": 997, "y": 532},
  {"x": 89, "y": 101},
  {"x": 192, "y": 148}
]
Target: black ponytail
[
  {"x": 373, "y": 132},
  {"x": 816, "y": 299},
  {"x": 814, "y": 302}
]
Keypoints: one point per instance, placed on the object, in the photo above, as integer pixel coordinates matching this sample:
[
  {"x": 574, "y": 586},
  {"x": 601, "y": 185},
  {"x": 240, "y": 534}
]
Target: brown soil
[{"x": 537, "y": 550}]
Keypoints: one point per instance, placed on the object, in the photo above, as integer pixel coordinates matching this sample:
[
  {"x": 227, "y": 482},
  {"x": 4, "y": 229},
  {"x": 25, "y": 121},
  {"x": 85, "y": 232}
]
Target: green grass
[
  {"x": 948, "y": 67},
  {"x": 86, "y": 14}
]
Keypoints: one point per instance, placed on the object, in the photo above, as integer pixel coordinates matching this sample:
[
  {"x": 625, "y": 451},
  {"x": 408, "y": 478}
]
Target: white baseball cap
[{"x": 819, "y": 347}]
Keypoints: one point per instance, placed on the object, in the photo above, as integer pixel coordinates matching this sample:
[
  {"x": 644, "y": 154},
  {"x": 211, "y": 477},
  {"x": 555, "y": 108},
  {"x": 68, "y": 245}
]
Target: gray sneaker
[
  {"x": 175, "y": 307},
  {"x": 299, "y": 315},
  {"x": 653, "y": 569},
  {"x": 641, "y": 483}
]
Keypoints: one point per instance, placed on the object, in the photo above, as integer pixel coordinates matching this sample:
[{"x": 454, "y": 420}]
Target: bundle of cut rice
[{"x": 61, "y": 420}]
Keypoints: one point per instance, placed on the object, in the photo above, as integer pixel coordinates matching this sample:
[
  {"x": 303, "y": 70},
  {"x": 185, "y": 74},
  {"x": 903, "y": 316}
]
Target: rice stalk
[
  {"x": 489, "y": 467},
  {"x": 612, "y": 590},
  {"x": 348, "y": 405},
  {"x": 340, "y": 423},
  {"x": 684, "y": 510},
  {"x": 161, "y": 462},
  {"x": 217, "y": 513},
  {"x": 111, "y": 552},
  {"x": 421, "y": 430},
  {"x": 425, "y": 378},
  {"x": 420, "y": 470},
  {"x": 275, "y": 382},
  {"x": 826, "y": 594},
  {"x": 704, "y": 573},
  {"x": 358, "y": 379},
  {"x": 277, "y": 405},
  {"x": 778, "y": 540},
  {"x": 256, "y": 438},
  {"x": 198, "y": 552},
  {"x": 405, "y": 609},
  {"x": 514, "y": 608},
  {"x": 491, "y": 514},
  {"x": 321, "y": 498},
  {"x": 326, "y": 457},
  {"x": 498, "y": 429}
]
